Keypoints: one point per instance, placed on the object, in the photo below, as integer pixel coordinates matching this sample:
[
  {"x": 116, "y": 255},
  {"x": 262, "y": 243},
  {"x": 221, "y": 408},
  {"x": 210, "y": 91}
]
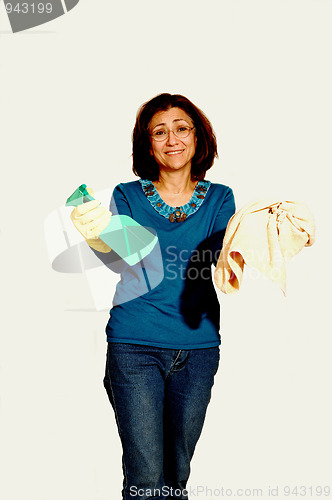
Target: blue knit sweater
[{"x": 168, "y": 299}]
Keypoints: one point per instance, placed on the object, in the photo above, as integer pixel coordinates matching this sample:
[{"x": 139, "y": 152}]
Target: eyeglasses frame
[{"x": 169, "y": 131}]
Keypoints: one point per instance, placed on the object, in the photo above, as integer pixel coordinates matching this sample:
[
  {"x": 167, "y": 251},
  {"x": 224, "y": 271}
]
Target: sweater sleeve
[
  {"x": 119, "y": 204},
  {"x": 226, "y": 211}
]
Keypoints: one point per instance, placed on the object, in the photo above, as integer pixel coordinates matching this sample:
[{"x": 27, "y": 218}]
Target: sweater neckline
[{"x": 180, "y": 213}]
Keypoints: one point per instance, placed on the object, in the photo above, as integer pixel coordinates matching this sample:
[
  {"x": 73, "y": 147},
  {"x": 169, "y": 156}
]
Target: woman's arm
[{"x": 226, "y": 211}]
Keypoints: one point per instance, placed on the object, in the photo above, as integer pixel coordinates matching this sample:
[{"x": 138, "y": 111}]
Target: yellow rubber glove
[{"x": 90, "y": 219}]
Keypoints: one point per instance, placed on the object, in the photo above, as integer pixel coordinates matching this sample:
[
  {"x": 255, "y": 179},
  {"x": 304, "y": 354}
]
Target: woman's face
[{"x": 172, "y": 153}]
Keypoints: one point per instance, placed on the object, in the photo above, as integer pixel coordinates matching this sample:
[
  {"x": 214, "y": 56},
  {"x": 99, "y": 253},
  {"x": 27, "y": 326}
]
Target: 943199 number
[
  {"x": 309, "y": 491},
  {"x": 29, "y": 8}
]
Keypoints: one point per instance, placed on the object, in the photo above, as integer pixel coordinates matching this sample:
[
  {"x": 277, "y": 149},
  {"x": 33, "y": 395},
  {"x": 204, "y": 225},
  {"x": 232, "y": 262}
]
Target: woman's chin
[{"x": 175, "y": 165}]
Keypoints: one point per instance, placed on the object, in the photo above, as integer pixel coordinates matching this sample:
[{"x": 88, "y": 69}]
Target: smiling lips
[{"x": 177, "y": 152}]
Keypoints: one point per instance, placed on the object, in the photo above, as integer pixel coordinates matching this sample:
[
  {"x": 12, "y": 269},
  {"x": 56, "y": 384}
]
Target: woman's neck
[{"x": 173, "y": 186}]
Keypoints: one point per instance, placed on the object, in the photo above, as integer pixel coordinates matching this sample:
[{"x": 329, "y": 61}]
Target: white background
[{"x": 261, "y": 71}]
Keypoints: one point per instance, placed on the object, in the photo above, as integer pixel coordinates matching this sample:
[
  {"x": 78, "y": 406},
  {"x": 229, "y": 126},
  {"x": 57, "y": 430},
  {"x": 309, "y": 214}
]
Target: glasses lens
[
  {"x": 159, "y": 135},
  {"x": 182, "y": 132}
]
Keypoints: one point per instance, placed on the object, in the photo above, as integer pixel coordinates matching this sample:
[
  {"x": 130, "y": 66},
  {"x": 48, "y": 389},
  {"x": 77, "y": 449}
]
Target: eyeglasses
[{"x": 180, "y": 132}]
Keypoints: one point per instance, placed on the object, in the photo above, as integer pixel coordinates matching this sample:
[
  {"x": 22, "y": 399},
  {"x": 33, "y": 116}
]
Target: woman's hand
[{"x": 90, "y": 219}]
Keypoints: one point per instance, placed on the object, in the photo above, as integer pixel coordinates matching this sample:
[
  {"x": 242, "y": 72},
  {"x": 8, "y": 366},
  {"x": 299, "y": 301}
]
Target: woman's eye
[
  {"x": 182, "y": 129},
  {"x": 159, "y": 133}
]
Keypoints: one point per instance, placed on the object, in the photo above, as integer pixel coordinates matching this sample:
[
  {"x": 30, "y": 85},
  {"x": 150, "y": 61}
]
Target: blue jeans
[{"x": 159, "y": 397}]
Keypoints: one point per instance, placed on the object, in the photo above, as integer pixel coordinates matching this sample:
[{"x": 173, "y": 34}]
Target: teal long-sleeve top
[{"x": 168, "y": 299}]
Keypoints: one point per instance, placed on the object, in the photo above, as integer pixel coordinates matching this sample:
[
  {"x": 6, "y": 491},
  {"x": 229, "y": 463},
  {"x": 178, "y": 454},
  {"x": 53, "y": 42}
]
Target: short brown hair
[{"x": 144, "y": 164}]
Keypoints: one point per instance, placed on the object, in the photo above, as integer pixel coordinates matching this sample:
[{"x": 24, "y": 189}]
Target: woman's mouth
[{"x": 177, "y": 152}]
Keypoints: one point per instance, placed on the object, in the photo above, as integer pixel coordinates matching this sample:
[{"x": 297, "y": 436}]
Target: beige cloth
[{"x": 264, "y": 235}]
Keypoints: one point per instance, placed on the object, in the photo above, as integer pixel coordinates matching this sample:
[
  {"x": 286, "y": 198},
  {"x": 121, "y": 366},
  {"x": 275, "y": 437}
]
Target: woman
[{"x": 163, "y": 342}]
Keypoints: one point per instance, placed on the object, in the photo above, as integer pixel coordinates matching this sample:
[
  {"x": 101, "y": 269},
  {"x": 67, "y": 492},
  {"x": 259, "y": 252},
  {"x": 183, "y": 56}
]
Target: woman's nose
[{"x": 171, "y": 138}]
